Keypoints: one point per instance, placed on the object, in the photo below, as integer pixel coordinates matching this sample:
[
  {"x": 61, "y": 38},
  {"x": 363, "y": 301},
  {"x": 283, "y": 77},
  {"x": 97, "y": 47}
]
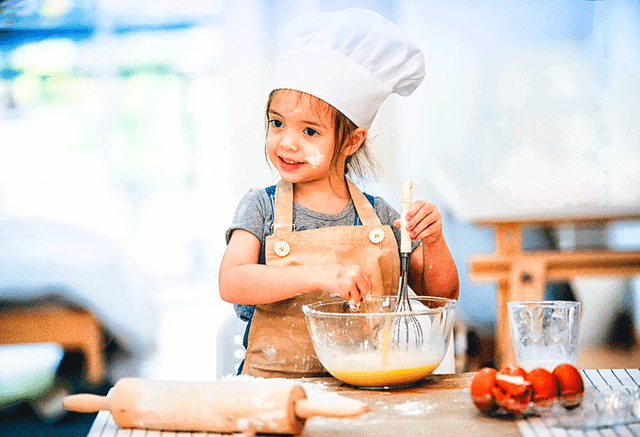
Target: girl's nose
[{"x": 289, "y": 141}]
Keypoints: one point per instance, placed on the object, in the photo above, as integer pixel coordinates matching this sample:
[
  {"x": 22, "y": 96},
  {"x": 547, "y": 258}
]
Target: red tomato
[
  {"x": 544, "y": 385},
  {"x": 512, "y": 379},
  {"x": 570, "y": 385},
  {"x": 512, "y": 391},
  {"x": 482, "y": 385}
]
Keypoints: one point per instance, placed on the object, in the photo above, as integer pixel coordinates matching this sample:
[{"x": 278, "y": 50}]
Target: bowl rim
[
  {"x": 544, "y": 303},
  {"x": 449, "y": 304}
]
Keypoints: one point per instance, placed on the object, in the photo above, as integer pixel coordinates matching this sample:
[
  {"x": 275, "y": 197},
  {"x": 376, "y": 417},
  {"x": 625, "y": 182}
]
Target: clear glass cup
[{"x": 545, "y": 333}]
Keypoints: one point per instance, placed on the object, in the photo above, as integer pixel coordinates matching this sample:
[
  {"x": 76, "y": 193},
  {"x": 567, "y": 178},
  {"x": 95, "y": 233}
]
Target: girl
[{"x": 315, "y": 234}]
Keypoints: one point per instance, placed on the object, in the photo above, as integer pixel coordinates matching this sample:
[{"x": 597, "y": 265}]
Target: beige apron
[{"x": 279, "y": 343}]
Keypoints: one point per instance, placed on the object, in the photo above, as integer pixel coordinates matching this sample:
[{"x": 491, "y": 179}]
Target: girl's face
[{"x": 301, "y": 138}]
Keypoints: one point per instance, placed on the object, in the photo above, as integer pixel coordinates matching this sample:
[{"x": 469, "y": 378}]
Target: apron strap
[
  {"x": 283, "y": 208},
  {"x": 365, "y": 210}
]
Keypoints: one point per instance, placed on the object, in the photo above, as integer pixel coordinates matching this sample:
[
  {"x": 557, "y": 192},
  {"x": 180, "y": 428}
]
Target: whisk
[{"x": 406, "y": 328}]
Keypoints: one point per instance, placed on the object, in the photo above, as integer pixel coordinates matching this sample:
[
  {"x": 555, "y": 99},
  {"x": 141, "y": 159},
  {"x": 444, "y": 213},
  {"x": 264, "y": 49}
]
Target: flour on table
[
  {"x": 316, "y": 391},
  {"x": 412, "y": 408}
]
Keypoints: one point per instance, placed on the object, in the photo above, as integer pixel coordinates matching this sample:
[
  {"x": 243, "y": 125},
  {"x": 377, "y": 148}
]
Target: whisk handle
[{"x": 407, "y": 199}]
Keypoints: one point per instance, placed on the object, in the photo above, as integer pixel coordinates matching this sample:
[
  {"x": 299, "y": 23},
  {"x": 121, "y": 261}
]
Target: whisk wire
[{"x": 405, "y": 325}]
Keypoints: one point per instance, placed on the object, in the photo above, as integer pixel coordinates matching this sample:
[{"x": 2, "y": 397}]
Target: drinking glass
[{"x": 545, "y": 333}]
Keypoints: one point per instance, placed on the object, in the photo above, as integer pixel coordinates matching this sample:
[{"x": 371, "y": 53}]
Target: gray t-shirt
[{"x": 254, "y": 214}]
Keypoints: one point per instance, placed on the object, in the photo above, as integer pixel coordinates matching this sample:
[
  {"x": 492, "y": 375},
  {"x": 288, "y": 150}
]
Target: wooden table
[
  {"x": 521, "y": 275},
  {"x": 439, "y": 406}
]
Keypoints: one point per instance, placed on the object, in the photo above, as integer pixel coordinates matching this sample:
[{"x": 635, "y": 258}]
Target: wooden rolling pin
[{"x": 220, "y": 406}]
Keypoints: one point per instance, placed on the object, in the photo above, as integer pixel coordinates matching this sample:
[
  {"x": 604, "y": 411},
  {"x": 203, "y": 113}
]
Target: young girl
[{"x": 315, "y": 235}]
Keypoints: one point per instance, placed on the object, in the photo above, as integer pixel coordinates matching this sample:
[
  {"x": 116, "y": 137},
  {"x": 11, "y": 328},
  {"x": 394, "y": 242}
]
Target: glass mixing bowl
[{"x": 375, "y": 347}]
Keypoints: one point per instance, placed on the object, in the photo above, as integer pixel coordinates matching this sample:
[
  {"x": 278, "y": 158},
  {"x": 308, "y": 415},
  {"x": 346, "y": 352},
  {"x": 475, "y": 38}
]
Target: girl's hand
[
  {"x": 423, "y": 222},
  {"x": 350, "y": 282}
]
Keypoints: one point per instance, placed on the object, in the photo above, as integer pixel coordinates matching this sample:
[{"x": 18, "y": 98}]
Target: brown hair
[{"x": 361, "y": 163}]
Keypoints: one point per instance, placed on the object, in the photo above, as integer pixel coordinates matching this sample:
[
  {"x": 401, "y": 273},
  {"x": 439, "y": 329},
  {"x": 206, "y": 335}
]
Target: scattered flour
[
  {"x": 316, "y": 391},
  {"x": 354, "y": 306},
  {"x": 413, "y": 408}
]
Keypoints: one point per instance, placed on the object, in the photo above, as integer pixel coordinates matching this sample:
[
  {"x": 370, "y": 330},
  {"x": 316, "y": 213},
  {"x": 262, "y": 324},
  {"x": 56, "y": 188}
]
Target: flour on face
[{"x": 316, "y": 159}]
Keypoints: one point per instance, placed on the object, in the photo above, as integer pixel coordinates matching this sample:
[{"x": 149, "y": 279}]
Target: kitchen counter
[{"x": 439, "y": 406}]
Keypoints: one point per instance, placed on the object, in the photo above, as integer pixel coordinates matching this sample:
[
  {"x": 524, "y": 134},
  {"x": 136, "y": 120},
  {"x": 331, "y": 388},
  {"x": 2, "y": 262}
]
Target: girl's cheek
[{"x": 316, "y": 159}]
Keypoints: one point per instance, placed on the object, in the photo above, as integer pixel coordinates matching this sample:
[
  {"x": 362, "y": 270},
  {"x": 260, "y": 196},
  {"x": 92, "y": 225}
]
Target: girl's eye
[
  {"x": 276, "y": 123},
  {"x": 311, "y": 132}
]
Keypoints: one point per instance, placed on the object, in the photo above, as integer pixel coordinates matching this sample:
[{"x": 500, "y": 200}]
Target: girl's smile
[{"x": 289, "y": 165}]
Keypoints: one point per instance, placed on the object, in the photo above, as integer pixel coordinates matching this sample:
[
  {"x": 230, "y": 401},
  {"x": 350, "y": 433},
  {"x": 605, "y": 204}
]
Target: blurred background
[{"x": 130, "y": 130}]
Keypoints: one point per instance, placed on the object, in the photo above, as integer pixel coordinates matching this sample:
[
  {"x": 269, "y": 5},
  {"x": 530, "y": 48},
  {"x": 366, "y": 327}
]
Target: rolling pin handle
[
  {"x": 86, "y": 403},
  {"x": 306, "y": 408}
]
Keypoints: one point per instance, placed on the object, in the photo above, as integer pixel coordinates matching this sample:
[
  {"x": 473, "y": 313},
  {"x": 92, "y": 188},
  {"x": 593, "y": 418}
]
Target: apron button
[
  {"x": 281, "y": 248},
  {"x": 376, "y": 235}
]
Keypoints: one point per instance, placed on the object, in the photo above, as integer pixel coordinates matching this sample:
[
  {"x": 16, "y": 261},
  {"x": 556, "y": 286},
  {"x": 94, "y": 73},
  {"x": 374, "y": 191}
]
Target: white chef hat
[{"x": 351, "y": 59}]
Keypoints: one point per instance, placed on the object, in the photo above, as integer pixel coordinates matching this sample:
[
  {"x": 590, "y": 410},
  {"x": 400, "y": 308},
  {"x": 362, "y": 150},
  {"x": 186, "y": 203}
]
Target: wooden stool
[{"x": 73, "y": 329}]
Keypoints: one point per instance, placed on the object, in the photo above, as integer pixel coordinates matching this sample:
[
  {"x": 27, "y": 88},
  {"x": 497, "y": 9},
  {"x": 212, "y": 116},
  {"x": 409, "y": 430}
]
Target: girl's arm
[
  {"x": 243, "y": 281},
  {"x": 432, "y": 271}
]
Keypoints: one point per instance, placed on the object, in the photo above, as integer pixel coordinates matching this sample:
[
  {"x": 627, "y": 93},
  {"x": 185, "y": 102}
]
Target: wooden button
[
  {"x": 376, "y": 235},
  {"x": 281, "y": 248}
]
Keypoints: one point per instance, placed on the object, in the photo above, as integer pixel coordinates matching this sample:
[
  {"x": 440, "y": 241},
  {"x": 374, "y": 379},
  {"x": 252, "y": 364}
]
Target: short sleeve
[{"x": 253, "y": 214}]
